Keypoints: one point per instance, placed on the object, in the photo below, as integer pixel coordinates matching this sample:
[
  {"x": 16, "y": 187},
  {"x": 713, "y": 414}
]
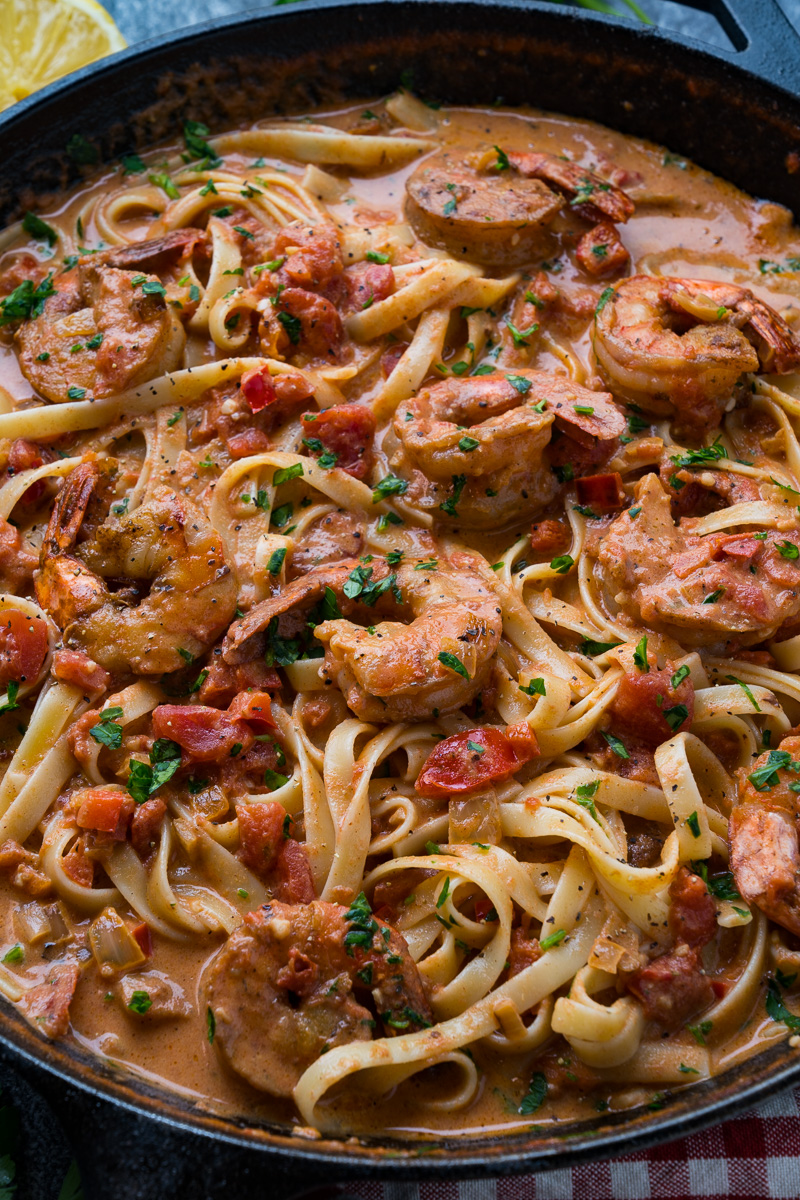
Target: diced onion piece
[
  {"x": 113, "y": 945},
  {"x": 35, "y": 923}
]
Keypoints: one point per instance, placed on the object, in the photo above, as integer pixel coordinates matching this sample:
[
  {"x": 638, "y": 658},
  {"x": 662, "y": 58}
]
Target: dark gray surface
[{"x": 141, "y": 19}]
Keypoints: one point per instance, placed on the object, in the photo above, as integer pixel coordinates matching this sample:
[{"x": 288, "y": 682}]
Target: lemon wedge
[{"x": 40, "y": 40}]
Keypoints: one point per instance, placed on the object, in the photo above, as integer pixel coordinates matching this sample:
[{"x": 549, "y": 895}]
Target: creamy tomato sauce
[{"x": 400, "y": 572}]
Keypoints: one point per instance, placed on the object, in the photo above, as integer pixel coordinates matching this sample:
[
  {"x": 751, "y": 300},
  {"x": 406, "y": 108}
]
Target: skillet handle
[{"x": 764, "y": 39}]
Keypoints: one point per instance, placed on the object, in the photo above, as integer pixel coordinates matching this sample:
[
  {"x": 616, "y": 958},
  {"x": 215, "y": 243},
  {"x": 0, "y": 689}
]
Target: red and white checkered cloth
[{"x": 755, "y": 1156}]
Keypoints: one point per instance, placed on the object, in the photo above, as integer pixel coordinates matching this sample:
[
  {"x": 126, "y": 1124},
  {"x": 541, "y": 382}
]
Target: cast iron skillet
[{"x": 735, "y": 112}]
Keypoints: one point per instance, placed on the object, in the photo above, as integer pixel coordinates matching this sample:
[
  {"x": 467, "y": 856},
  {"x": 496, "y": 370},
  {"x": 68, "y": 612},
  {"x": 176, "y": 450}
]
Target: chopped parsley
[
  {"x": 605, "y": 296},
  {"x": 535, "y": 1096},
  {"x": 592, "y": 648},
  {"x": 38, "y": 228},
  {"x": 676, "y": 716},
  {"x": 26, "y": 301},
  {"x": 519, "y": 383},
  {"x": 695, "y": 458},
  {"x": 276, "y": 561},
  {"x": 640, "y": 655},
  {"x": 284, "y": 474},
  {"x": 700, "y": 1030},
  {"x": 107, "y": 732},
  {"x": 140, "y": 1002},
  {"x": 132, "y": 164},
  {"x": 390, "y": 485},
  {"x": 11, "y": 698},
  {"x": 766, "y": 777},
  {"x": 616, "y": 745},
  {"x": 745, "y": 689},
  {"x": 682, "y": 673},
  {"x": 777, "y": 1009},
  {"x": 453, "y": 664},
  {"x": 144, "y": 779},
  {"x": 166, "y": 185},
  {"x": 553, "y": 939},
  {"x": 449, "y": 505},
  {"x": 534, "y": 688},
  {"x": 520, "y": 337},
  {"x": 363, "y": 925}
]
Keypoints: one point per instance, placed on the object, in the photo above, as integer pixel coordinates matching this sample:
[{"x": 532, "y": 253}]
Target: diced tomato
[
  {"x": 17, "y": 563},
  {"x": 258, "y": 388},
  {"x": 483, "y": 907},
  {"x": 692, "y": 913},
  {"x": 313, "y": 254},
  {"x": 254, "y": 707},
  {"x": 77, "y": 866},
  {"x": 104, "y": 809},
  {"x": 321, "y": 331},
  {"x": 548, "y": 536},
  {"x": 73, "y": 666},
  {"x": 300, "y": 974},
  {"x": 600, "y": 251},
  {"x": 24, "y": 267},
  {"x": 23, "y": 646},
  {"x": 291, "y": 388},
  {"x": 523, "y": 739},
  {"x": 294, "y": 884},
  {"x": 565, "y": 1074},
  {"x": 223, "y": 682},
  {"x": 146, "y": 823},
  {"x": 249, "y": 441},
  {"x": 739, "y": 547},
  {"x": 391, "y": 357},
  {"x": 368, "y": 283},
  {"x": 27, "y": 456},
  {"x": 204, "y": 734},
  {"x": 469, "y": 761},
  {"x": 602, "y": 493},
  {"x": 347, "y": 430},
  {"x": 47, "y": 1005},
  {"x": 144, "y": 938},
  {"x": 523, "y": 952},
  {"x": 261, "y": 834},
  {"x": 647, "y": 705},
  {"x": 12, "y": 853},
  {"x": 672, "y": 987}
]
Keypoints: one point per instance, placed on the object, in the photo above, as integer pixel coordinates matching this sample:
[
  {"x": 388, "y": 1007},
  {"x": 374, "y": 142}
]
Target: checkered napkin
[{"x": 755, "y": 1156}]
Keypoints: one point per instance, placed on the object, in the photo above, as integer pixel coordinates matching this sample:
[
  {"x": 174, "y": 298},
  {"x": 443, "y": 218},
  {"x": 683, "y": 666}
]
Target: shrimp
[
  {"x": 702, "y": 590},
  {"x": 180, "y": 595},
  {"x": 281, "y": 990},
  {"x": 765, "y": 857},
  {"x": 488, "y": 436},
  {"x": 431, "y": 653},
  {"x": 681, "y": 345},
  {"x": 104, "y": 329}
]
